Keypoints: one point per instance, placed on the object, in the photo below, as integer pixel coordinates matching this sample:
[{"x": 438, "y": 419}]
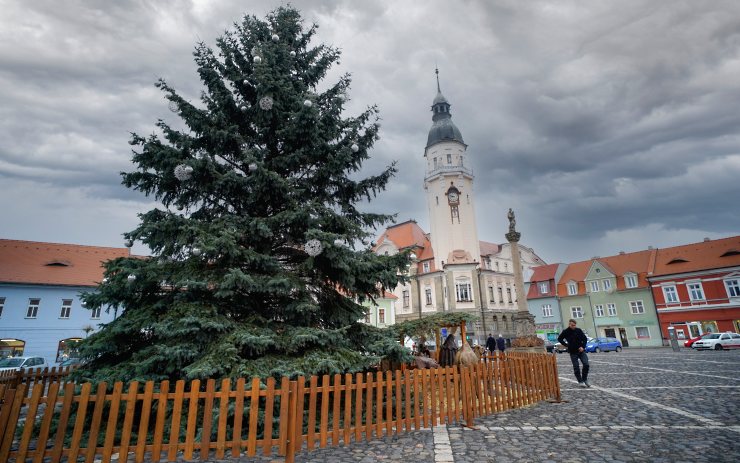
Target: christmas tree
[{"x": 257, "y": 268}]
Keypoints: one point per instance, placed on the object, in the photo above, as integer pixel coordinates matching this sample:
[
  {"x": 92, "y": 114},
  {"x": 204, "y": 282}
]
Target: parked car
[
  {"x": 691, "y": 341},
  {"x": 718, "y": 341},
  {"x": 72, "y": 362},
  {"x": 16, "y": 363},
  {"x": 603, "y": 345},
  {"x": 549, "y": 346},
  {"x": 560, "y": 348}
]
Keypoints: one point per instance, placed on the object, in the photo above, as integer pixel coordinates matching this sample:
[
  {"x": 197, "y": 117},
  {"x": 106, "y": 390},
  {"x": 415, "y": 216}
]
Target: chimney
[
  {"x": 650, "y": 248},
  {"x": 706, "y": 239},
  {"x": 621, "y": 253}
]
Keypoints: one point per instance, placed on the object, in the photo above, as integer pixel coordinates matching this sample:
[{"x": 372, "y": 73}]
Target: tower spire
[{"x": 436, "y": 71}]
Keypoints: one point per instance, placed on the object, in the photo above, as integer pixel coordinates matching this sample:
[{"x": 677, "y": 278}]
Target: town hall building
[{"x": 453, "y": 270}]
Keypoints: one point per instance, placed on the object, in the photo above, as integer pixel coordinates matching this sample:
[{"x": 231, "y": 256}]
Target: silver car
[{"x": 16, "y": 363}]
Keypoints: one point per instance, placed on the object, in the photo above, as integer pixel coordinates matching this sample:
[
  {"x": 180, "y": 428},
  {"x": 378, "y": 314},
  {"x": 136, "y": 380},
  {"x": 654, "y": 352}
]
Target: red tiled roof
[
  {"x": 693, "y": 257},
  {"x": 409, "y": 235},
  {"x": 639, "y": 263},
  {"x": 41, "y": 263},
  {"x": 544, "y": 272},
  {"x": 486, "y": 248}
]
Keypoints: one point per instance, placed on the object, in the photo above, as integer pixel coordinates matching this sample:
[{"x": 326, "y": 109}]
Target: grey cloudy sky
[{"x": 606, "y": 125}]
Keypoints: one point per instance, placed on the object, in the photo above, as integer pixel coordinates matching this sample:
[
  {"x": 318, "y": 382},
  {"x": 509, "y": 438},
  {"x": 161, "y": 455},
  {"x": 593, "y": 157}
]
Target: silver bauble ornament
[
  {"x": 292, "y": 54},
  {"x": 266, "y": 103},
  {"x": 131, "y": 278},
  {"x": 252, "y": 167},
  {"x": 275, "y": 37},
  {"x": 245, "y": 82},
  {"x": 183, "y": 172},
  {"x": 257, "y": 60},
  {"x": 412, "y": 256},
  {"x": 339, "y": 242},
  {"x": 355, "y": 148},
  {"x": 173, "y": 106},
  {"x": 243, "y": 108},
  {"x": 313, "y": 247},
  {"x": 128, "y": 243},
  {"x": 197, "y": 252},
  {"x": 307, "y": 103}
]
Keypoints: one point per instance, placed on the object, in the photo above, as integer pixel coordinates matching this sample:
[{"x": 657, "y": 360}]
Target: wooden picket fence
[
  {"x": 204, "y": 420},
  {"x": 33, "y": 376}
]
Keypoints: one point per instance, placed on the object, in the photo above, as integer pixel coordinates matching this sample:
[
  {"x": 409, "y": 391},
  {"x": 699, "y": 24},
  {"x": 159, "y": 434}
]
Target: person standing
[
  {"x": 575, "y": 340},
  {"x": 501, "y": 343},
  {"x": 491, "y": 344}
]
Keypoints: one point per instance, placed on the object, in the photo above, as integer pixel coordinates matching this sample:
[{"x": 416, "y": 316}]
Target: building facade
[
  {"x": 40, "y": 287},
  {"x": 453, "y": 270},
  {"x": 696, "y": 287},
  {"x": 542, "y": 300},
  {"x": 382, "y": 312},
  {"x": 611, "y": 297}
]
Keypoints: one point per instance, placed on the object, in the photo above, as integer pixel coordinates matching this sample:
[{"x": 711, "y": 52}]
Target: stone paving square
[{"x": 646, "y": 405}]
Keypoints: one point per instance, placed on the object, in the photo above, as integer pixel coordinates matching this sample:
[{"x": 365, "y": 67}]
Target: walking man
[
  {"x": 491, "y": 344},
  {"x": 575, "y": 340}
]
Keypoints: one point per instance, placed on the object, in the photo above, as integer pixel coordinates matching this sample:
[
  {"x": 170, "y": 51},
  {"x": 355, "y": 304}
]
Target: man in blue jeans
[{"x": 575, "y": 340}]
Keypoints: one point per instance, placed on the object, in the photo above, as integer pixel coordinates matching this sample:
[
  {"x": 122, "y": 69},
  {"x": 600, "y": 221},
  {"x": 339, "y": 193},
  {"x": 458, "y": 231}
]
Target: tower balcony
[{"x": 449, "y": 170}]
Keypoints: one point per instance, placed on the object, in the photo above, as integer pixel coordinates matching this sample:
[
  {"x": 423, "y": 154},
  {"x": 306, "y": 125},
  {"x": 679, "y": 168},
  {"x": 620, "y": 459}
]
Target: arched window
[
  {"x": 11, "y": 347},
  {"x": 67, "y": 349}
]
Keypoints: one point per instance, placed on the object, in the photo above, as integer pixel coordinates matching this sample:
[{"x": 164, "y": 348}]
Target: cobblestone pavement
[{"x": 645, "y": 405}]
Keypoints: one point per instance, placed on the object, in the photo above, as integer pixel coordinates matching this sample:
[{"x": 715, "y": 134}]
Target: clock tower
[{"x": 448, "y": 182}]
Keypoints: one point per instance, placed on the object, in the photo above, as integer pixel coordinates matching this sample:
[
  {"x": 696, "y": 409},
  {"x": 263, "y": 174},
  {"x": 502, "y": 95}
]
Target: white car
[
  {"x": 718, "y": 341},
  {"x": 16, "y": 363}
]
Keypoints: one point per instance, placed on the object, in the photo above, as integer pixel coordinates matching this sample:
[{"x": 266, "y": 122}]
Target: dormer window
[
  {"x": 630, "y": 281},
  {"x": 677, "y": 260},
  {"x": 731, "y": 252},
  {"x": 544, "y": 287},
  {"x": 572, "y": 289},
  {"x": 58, "y": 263}
]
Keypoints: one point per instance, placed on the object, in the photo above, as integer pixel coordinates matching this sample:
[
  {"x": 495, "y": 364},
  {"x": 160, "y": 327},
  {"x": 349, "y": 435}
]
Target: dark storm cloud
[{"x": 606, "y": 126}]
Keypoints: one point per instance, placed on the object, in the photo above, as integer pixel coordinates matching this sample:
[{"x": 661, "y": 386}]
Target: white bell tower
[{"x": 448, "y": 182}]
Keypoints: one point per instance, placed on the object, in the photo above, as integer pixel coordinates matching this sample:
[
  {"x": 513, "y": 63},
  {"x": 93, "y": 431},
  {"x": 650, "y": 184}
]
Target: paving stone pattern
[{"x": 646, "y": 405}]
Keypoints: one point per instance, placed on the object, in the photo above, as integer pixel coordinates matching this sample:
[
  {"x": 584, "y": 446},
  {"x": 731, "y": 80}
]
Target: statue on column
[{"x": 512, "y": 221}]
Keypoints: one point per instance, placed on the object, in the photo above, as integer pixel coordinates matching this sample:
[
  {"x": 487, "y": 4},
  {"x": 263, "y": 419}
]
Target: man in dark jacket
[
  {"x": 491, "y": 343},
  {"x": 575, "y": 340}
]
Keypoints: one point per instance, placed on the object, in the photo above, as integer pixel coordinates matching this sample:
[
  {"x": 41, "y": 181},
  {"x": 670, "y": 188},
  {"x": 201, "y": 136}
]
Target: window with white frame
[
  {"x": 594, "y": 286},
  {"x": 611, "y": 309},
  {"x": 572, "y": 289},
  {"x": 547, "y": 310},
  {"x": 428, "y": 295},
  {"x": 66, "y": 308},
  {"x": 500, "y": 294},
  {"x": 381, "y": 316},
  {"x": 426, "y": 266},
  {"x": 733, "y": 287},
  {"x": 544, "y": 287},
  {"x": 490, "y": 293},
  {"x": 642, "y": 332},
  {"x": 670, "y": 294},
  {"x": 33, "y": 308},
  {"x": 606, "y": 284},
  {"x": 463, "y": 291},
  {"x": 599, "y": 309},
  {"x": 95, "y": 313},
  {"x": 405, "y": 295},
  {"x": 630, "y": 281},
  {"x": 449, "y": 158},
  {"x": 696, "y": 292},
  {"x": 576, "y": 312},
  {"x": 508, "y": 296},
  {"x": 636, "y": 307},
  {"x": 2, "y": 305}
]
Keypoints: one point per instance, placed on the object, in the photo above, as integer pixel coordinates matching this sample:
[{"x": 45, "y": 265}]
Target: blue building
[{"x": 40, "y": 286}]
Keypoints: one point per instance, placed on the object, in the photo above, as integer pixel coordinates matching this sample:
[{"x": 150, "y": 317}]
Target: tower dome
[{"x": 443, "y": 128}]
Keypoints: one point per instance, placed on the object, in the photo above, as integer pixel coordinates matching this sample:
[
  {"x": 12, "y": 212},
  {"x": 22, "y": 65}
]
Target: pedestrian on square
[
  {"x": 575, "y": 340},
  {"x": 491, "y": 343},
  {"x": 501, "y": 343}
]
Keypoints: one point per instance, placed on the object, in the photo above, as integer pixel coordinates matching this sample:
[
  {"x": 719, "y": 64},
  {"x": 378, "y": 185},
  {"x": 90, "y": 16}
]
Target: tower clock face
[{"x": 452, "y": 197}]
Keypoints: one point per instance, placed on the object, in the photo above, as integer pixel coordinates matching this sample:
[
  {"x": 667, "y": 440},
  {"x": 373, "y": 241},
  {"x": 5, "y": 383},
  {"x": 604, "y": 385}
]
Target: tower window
[
  {"x": 449, "y": 158},
  {"x": 437, "y": 200}
]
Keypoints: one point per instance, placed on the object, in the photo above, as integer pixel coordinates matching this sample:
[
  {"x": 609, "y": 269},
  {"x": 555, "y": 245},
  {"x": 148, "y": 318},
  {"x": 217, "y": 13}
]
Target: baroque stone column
[{"x": 523, "y": 320}]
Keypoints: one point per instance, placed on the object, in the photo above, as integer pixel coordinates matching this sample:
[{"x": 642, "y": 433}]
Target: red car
[{"x": 692, "y": 340}]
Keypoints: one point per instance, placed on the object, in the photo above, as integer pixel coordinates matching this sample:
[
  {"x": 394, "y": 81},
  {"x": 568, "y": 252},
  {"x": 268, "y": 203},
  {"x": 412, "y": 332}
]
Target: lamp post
[{"x": 591, "y": 309}]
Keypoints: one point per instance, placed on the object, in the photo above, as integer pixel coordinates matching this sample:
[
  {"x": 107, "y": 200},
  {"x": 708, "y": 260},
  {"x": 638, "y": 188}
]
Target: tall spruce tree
[{"x": 254, "y": 269}]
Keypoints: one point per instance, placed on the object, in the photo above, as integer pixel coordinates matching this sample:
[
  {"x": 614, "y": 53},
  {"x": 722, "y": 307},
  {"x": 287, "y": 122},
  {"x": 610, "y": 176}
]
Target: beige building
[{"x": 454, "y": 270}]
